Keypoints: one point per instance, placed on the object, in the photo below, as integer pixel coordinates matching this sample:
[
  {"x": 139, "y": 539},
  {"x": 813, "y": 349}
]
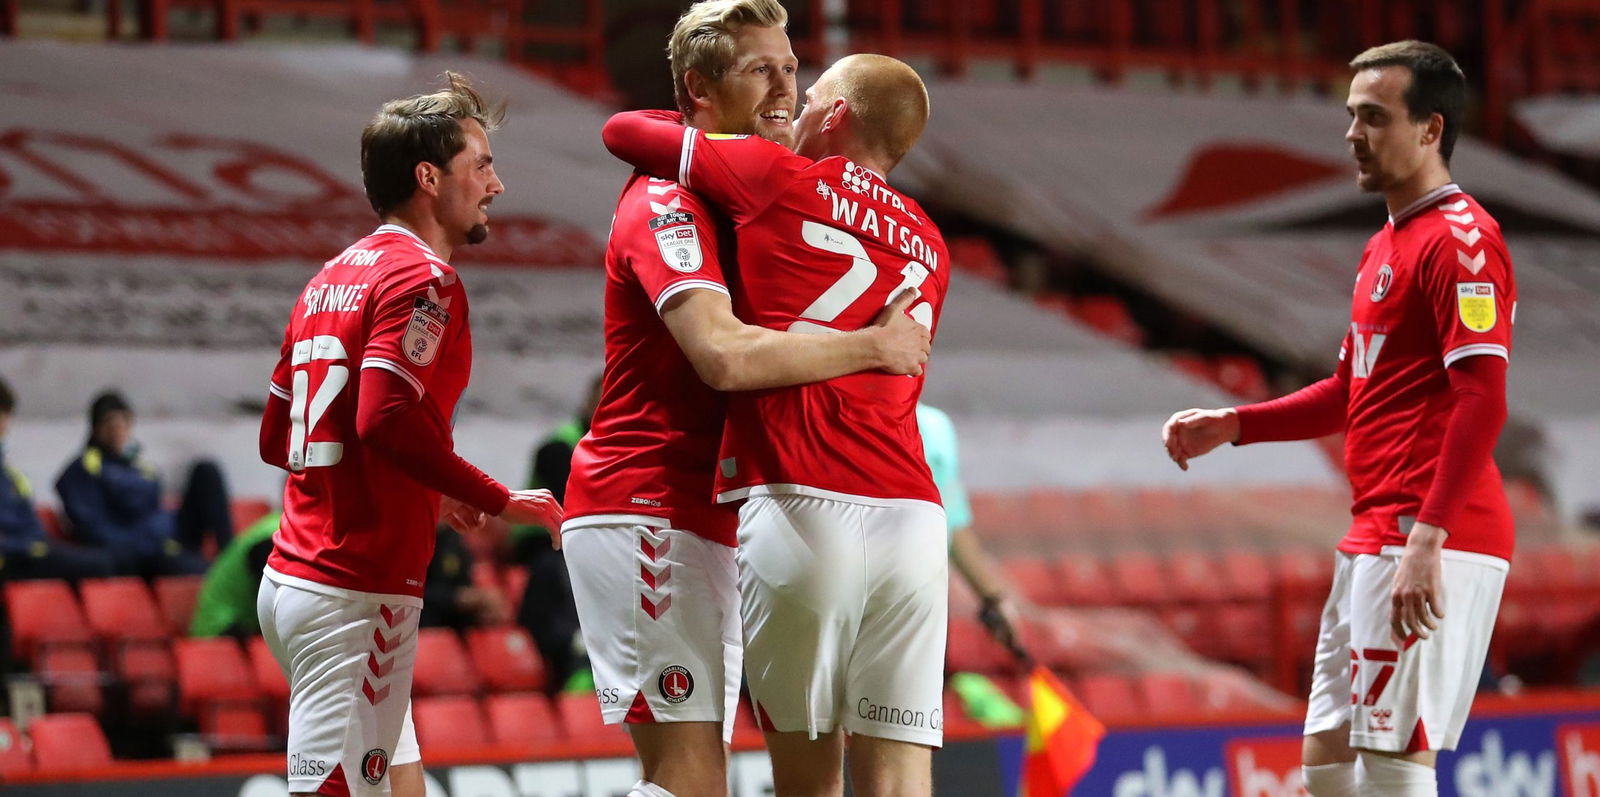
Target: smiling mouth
[{"x": 776, "y": 116}]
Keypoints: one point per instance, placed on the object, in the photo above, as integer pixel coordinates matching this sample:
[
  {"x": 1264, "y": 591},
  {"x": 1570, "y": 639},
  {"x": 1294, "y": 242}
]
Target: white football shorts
[
  {"x": 1397, "y": 695},
  {"x": 659, "y": 610},
  {"x": 348, "y": 659},
  {"x": 844, "y": 610}
]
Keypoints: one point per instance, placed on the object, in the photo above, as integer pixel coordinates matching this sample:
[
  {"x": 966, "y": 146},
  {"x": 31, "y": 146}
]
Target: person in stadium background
[
  {"x": 370, "y": 455},
  {"x": 25, "y": 550},
  {"x": 548, "y": 609},
  {"x": 1420, "y": 393},
  {"x": 842, "y": 563},
  {"x": 1000, "y": 610},
  {"x": 114, "y": 502},
  {"x": 664, "y": 640}
]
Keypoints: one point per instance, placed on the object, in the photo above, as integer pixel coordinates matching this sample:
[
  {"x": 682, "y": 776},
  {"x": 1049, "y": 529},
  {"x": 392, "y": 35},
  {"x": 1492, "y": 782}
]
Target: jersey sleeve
[
  {"x": 669, "y": 240},
  {"x": 741, "y": 174},
  {"x": 1467, "y": 278},
  {"x": 416, "y": 316}
]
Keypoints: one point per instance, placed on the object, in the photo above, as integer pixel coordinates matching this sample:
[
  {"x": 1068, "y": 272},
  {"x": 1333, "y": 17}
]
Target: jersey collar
[
  {"x": 383, "y": 228},
  {"x": 1423, "y": 201}
]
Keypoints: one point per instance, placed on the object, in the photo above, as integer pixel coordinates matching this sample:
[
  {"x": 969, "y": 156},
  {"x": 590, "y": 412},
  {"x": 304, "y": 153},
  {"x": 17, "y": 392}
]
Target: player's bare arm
[{"x": 731, "y": 355}]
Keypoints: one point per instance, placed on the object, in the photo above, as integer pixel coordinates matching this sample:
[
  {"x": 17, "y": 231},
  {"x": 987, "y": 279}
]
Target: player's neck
[
  {"x": 426, "y": 228},
  {"x": 867, "y": 158},
  {"x": 1402, "y": 195}
]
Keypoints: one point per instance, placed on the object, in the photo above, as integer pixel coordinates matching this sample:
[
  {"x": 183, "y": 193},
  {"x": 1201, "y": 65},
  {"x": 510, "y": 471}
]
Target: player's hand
[
  {"x": 461, "y": 517},
  {"x": 1418, "y": 594},
  {"x": 535, "y": 508},
  {"x": 903, "y": 342},
  {"x": 1194, "y": 432}
]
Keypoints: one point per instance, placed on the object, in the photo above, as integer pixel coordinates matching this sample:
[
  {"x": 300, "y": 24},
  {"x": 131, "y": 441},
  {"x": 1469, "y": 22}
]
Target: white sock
[
  {"x": 1384, "y": 776},
  {"x": 1331, "y": 780},
  {"x": 645, "y": 788}
]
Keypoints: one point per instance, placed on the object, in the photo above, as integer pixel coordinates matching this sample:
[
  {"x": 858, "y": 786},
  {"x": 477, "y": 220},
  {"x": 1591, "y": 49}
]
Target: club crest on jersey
[
  {"x": 678, "y": 240},
  {"x": 675, "y": 684},
  {"x": 1381, "y": 283},
  {"x": 428, "y": 321},
  {"x": 374, "y": 765},
  {"x": 1475, "y": 303}
]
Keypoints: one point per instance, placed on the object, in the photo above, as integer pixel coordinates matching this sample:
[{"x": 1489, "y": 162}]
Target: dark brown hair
[
  {"x": 1437, "y": 84},
  {"x": 421, "y": 129}
]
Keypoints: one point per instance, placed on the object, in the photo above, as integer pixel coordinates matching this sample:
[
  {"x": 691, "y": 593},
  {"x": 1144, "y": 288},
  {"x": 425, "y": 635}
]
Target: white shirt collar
[
  {"x": 383, "y": 228},
  {"x": 1423, "y": 201}
]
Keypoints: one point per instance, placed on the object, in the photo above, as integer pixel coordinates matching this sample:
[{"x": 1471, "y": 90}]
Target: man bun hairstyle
[
  {"x": 1437, "y": 84},
  {"x": 702, "y": 39},
  {"x": 421, "y": 129}
]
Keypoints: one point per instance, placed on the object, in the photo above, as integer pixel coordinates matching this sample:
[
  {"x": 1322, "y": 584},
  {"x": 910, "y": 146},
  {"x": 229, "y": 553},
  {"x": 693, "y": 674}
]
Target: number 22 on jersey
[
  {"x": 304, "y": 414},
  {"x": 855, "y": 282}
]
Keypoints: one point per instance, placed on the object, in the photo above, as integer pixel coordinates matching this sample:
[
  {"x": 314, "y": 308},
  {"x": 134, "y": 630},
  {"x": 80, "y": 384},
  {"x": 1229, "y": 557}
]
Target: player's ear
[
  {"x": 428, "y": 178},
  {"x": 1433, "y": 130},
  {"x": 699, "y": 89},
  {"x": 836, "y": 114}
]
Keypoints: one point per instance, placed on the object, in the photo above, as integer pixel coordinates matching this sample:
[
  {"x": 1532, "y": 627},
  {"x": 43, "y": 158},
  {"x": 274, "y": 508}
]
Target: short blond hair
[
  {"x": 702, "y": 39},
  {"x": 426, "y": 127},
  {"x": 887, "y": 99}
]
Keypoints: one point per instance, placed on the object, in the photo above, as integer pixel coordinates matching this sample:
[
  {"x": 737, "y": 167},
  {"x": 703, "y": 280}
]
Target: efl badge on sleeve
[
  {"x": 1475, "y": 302},
  {"x": 428, "y": 321},
  {"x": 678, "y": 240}
]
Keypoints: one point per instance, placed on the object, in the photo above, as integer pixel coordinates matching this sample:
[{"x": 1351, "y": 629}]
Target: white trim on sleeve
[
  {"x": 688, "y": 285},
  {"x": 686, "y": 156},
  {"x": 1475, "y": 349},
  {"x": 272, "y": 387},
  {"x": 394, "y": 367}
]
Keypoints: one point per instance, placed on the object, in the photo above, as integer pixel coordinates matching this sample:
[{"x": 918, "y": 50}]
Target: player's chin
[
  {"x": 478, "y": 234},
  {"x": 777, "y": 134}
]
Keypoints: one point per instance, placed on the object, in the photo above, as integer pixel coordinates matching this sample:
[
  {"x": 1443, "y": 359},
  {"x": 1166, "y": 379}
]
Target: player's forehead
[
  {"x": 753, "y": 44},
  {"x": 477, "y": 141},
  {"x": 1379, "y": 87}
]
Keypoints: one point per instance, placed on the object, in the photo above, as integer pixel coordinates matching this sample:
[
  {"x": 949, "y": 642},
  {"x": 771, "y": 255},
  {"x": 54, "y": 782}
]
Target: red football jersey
[
  {"x": 822, "y": 247},
  {"x": 351, "y": 521},
  {"x": 1435, "y": 286},
  {"x": 651, "y": 450}
]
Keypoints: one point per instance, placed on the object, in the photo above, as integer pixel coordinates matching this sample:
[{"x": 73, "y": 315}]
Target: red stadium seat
[
  {"x": 523, "y": 719},
  {"x": 580, "y": 718},
  {"x": 68, "y": 742},
  {"x": 72, "y": 677},
  {"x": 44, "y": 612},
  {"x": 269, "y": 675},
  {"x": 1084, "y": 581},
  {"x": 969, "y": 648},
  {"x": 1036, "y": 579},
  {"x": 236, "y": 727},
  {"x": 1195, "y": 578},
  {"x": 1109, "y": 696},
  {"x": 449, "y": 724},
  {"x": 176, "y": 596},
  {"x": 506, "y": 659},
  {"x": 14, "y": 756},
  {"x": 1168, "y": 694},
  {"x": 1139, "y": 580},
  {"x": 442, "y": 667},
  {"x": 1109, "y": 316},
  {"x": 120, "y": 609},
  {"x": 246, "y": 511},
  {"x": 151, "y": 675},
  {"x": 213, "y": 671},
  {"x": 1246, "y": 576},
  {"x": 516, "y": 585},
  {"x": 1245, "y": 633}
]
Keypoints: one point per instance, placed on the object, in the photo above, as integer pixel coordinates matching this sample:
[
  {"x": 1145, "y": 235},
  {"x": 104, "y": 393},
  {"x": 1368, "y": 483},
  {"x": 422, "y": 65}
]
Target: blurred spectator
[
  {"x": 548, "y": 611},
  {"x": 450, "y": 598},
  {"x": 114, "y": 501},
  {"x": 981, "y": 699},
  {"x": 25, "y": 551},
  {"x": 226, "y": 605}
]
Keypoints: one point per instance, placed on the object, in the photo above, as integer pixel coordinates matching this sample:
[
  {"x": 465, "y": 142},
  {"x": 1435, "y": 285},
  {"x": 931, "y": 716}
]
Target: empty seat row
[{"x": 54, "y": 743}]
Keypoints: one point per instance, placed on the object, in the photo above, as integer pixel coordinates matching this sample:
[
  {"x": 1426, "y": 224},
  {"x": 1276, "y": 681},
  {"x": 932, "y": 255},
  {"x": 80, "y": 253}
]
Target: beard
[{"x": 478, "y": 234}]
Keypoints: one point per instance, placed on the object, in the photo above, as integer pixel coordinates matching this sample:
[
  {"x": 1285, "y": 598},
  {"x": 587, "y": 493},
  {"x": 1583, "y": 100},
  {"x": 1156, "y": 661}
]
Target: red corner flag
[{"x": 1062, "y": 737}]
